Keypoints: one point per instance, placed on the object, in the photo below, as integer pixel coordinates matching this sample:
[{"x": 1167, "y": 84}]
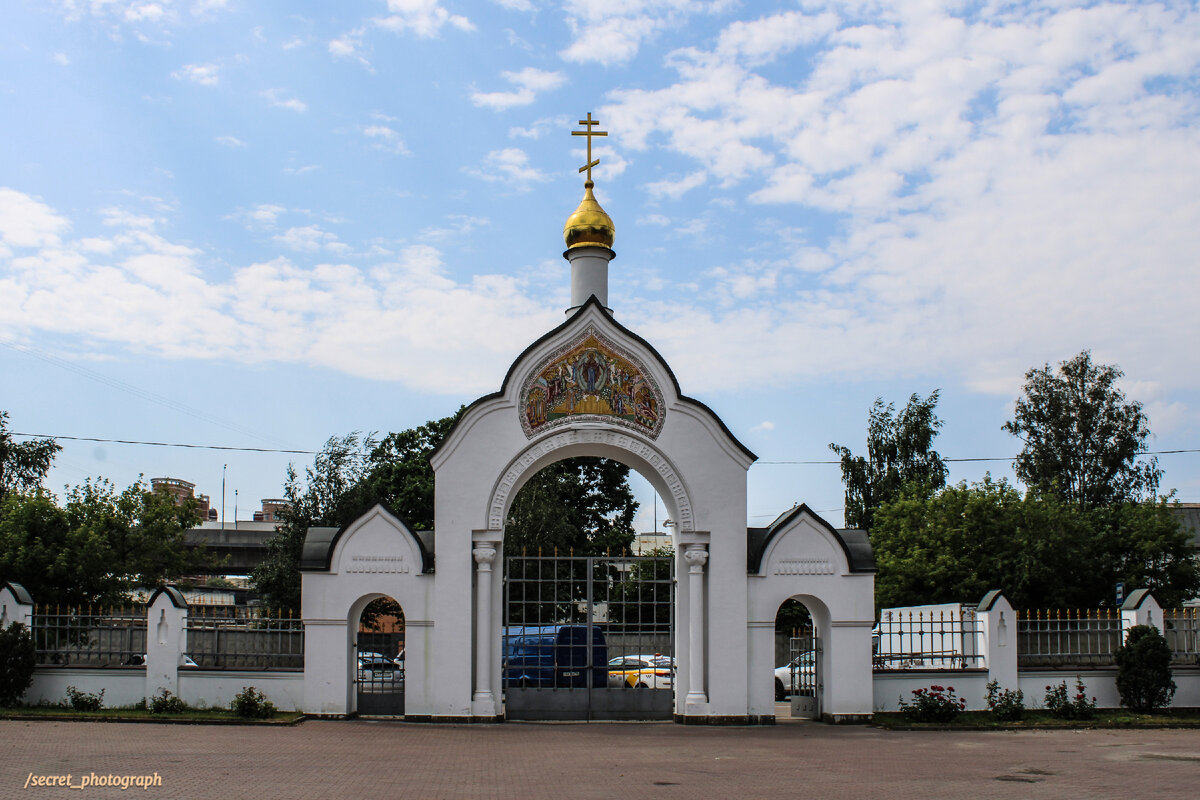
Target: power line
[
  {"x": 1009, "y": 458},
  {"x": 314, "y": 452},
  {"x": 166, "y": 444}
]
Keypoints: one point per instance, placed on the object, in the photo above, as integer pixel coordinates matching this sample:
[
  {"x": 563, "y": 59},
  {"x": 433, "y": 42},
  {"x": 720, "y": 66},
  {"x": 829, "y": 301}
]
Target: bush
[
  {"x": 1063, "y": 706},
  {"x": 166, "y": 703},
  {"x": 250, "y": 703},
  {"x": 1006, "y": 705},
  {"x": 85, "y": 701},
  {"x": 935, "y": 704},
  {"x": 17, "y": 660},
  {"x": 1144, "y": 670}
]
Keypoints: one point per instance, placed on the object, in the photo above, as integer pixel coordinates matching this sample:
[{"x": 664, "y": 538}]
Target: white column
[
  {"x": 696, "y": 556},
  {"x": 483, "y": 702}
]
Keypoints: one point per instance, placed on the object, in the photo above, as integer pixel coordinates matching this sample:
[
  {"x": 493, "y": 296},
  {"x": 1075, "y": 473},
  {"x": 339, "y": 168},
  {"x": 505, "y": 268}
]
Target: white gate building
[{"x": 591, "y": 387}]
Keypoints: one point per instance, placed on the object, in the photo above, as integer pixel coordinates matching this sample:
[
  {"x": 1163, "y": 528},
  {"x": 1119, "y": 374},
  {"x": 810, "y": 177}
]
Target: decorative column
[
  {"x": 696, "y": 556},
  {"x": 483, "y": 701}
]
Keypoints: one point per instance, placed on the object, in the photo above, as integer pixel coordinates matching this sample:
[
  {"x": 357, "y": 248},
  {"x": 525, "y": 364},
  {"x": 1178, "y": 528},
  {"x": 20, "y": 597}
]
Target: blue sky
[{"x": 263, "y": 224}]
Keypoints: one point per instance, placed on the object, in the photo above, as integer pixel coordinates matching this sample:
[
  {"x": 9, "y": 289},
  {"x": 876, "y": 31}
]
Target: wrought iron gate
[
  {"x": 804, "y": 673},
  {"x": 588, "y": 637},
  {"x": 378, "y": 681}
]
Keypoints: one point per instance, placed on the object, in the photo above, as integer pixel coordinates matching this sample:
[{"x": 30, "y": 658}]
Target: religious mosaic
[{"x": 591, "y": 378}]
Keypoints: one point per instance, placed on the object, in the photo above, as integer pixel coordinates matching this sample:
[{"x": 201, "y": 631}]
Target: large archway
[
  {"x": 676, "y": 443},
  {"x": 587, "y": 625}
]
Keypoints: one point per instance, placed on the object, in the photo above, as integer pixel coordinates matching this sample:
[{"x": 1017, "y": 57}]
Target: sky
[{"x": 262, "y": 224}]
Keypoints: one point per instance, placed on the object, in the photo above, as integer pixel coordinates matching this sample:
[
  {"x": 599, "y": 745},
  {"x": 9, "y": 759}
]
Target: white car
[
  {"x": 798, "y": 676},
  {"x": 642, "y": 672},
  {"x": 376, "y": 668}
]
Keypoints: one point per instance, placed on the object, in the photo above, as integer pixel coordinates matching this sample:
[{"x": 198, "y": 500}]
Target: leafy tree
[
  {"x": 581, "y": 504},
  {"x": 332, "y": 494},
  {"x": 899, "y": 454},
  {"x": 1082, "y": 437},
  {"x": 23, "y": 465},
  {"x": 1039, "y": 550},
  {"x": 1144, "y": 670},
  {"x": 96, "y": 547},
  {"x": 18, "y": 659},
  {"x": 400, "y": 475}
]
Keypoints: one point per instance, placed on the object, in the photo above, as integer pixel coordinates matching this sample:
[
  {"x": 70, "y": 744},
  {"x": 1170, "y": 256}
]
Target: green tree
[
  {"x": 1144, "y": 670},
  {"x": 97, "y": 546},
  {"x": 899, "y": 454},
  {"x": 332, "y": 494},
  {"x": 581, "y": 504},
  {"x": 1082, "y": 438},
  {"x": 23, "y": 465},
  {"x": 1039, "y": 550},
  {"x": 399, "y": 473}
]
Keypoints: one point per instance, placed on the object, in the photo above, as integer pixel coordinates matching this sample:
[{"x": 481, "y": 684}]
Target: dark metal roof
[
  {"x": 19, "y": 592},
  {"x": 317, "y": 553},
  {"x": 174, "y": 595},
  {"x": 854, "y": 543}
]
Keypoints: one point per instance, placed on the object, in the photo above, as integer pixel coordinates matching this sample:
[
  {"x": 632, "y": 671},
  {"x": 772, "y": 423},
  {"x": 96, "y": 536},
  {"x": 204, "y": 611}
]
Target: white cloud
[
  {"x": 765, "y": 425},
  {"x": 424, "y": 18},
  {"x": 203, "y": 74},
  {"x": 612, "y": 33},
  {"x": 27, "y": 222},
  {"x": 277, "y": 99},
  {"x": 677, "y": 188},
  {"x": 402, "y": 319},
  {"x": 310, "y": 239},
  {"x": 230, "y": 141},
  {"x": 62, "y": 59},
  {"x": 261, "y": 216},
  {"x": 541, "y": 127},
  {"x": 516, "y": 5},
  {"x": 385, "y": 138},
  {"x": 528, "y": 81},
  {"x": 350, "y": 46},
  {"x": 510, "y": 166}
]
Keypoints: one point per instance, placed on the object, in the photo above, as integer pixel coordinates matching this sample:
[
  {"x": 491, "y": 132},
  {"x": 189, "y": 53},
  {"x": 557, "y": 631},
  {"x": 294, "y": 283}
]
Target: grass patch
[
  {"x": 140, "y": 714},
  {"x": 1037, "y": 719}
]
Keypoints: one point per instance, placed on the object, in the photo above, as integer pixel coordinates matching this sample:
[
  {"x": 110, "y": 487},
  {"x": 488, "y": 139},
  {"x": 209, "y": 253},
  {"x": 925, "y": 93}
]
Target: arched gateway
[{"x": 592, "y": 387}]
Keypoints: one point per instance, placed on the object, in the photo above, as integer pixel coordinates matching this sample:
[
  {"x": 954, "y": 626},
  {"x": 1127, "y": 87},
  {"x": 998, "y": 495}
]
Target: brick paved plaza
[{"x": 376, "y": 759}]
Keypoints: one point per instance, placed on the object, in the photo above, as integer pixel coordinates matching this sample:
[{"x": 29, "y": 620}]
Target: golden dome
[{"x": 589, "y": 226}]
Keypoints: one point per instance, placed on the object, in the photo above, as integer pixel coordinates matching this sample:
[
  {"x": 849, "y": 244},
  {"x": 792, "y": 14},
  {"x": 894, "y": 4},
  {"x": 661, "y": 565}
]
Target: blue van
[{"x": 553, "y": 656}]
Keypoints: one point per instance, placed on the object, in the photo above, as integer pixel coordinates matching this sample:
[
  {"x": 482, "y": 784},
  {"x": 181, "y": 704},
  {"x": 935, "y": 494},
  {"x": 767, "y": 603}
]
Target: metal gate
[
  {"x": 378, "y": 680},
  {"x": 804, "y": 673},
  {"x": 588, "y": 637}
]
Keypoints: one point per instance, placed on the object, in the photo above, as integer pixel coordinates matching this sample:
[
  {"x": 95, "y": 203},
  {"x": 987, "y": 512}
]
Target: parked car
[
  {"x": 642, "y": 672},
  {"x": 798, "y": 676},
  {"x": 139, "y": 660},
  {"x": 547, "y": 656},
  {"x": 378, "y": 668}
]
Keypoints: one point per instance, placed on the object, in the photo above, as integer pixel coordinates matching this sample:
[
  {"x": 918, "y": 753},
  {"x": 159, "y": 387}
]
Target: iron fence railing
[
  {"x": 1181, "y": 627},
  {"x": 1068, "y": 637},
  {"x": 244, "y": 638},
  {"x": 89, "y": 637},
  {"x": 928, "y": 640}
]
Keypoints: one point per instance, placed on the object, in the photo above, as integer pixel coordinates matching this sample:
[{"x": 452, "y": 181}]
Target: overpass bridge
[{"x": 235, "y": 547}]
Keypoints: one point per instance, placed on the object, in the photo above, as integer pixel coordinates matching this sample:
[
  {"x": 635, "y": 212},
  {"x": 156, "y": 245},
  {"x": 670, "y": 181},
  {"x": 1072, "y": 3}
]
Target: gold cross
[{"x": 589, "y": 122}]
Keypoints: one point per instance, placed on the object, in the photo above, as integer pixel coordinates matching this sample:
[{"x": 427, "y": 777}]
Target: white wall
[{"x": 123, "y": 686}]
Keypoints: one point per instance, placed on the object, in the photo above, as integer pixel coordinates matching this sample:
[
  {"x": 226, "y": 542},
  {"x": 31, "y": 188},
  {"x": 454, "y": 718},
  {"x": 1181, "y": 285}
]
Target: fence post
[
  {"x": 1140, "y": 608},
  {"x": 166, "y": 640},
  {"x": 998, "y": 628},
  {"x": 15, "y": 606}
]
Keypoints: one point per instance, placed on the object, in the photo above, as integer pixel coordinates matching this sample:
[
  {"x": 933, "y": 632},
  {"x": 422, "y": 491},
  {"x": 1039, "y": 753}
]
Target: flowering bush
[
  {"x": 1063, "y": 706},
  {"x": 935, "y": 704},
  {"x": 1006, "y": 705}
]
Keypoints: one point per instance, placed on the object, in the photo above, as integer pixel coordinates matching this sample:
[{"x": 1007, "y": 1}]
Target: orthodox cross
[{"x": 589, "y": 133}]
